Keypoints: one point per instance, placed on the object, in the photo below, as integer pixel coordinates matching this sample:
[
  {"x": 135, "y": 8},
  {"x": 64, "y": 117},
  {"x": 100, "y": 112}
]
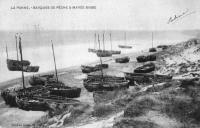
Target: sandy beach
[{"x": 113, "y": 109}]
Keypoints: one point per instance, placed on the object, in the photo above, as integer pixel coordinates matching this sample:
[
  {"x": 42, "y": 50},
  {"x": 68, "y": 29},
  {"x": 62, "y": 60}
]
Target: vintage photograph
[{"x": 100, "y": 64}]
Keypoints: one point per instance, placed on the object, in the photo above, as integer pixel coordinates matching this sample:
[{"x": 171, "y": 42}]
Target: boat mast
[
  {"x": 152, "y": 38},
  {"x": 103, "y": 42},
  {"x": 110, "y": 41},
  {"x": 16, "y": 45},
  {"x": 20, "y": 50},
  {"x": 100, "y": 58},
  {"x": 95, "y": 38},
  {"x": 54, "y": 62},
  {"x": 125, "y": 37},
  {"x": 6, "y": 51}
]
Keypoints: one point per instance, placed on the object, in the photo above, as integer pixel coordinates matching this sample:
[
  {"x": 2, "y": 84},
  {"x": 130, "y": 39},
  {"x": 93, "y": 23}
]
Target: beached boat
[
  {"x": 103, "y": 53},
  {"x": 41, "y": 80},
  {"x": 115, "y": 52},
  {"x": 105, "y": 77},
  {"x": 92, "y": 50},
  {"x": 88, "y": 69},
  {"x": 105, "y": 84},
  {"x": 147, "y": 68},
  {"x": 163, "y": 47},
  {"x": 141, "y": 59},
  {"x": 122, "y": 59},
  {"x": 30, "y": 103},
  {"x": 125, "y": 46},
  {"x": 16, "y": 65},
  {"x": 152, "y": 50},
  {"x": 65, "y": 91},
  {"x": 146, "y": 77}
]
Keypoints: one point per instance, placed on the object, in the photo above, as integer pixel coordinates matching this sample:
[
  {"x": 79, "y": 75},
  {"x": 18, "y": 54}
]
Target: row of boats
[{"x": 47, "y": 89}]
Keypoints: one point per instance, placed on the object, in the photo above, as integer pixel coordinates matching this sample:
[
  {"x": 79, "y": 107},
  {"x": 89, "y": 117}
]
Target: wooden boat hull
[
  {"x": 152, "y": 50},
  {"x": 146, "y": 77},
  {"x": 103, "y": 53},
  {"x": 88, "y": 69},
  {"x": 69, "y": 92},
  {"x": 28, "y": 103},
  {"x": 92, "y": 50},
  {"x": 115, "y": 52},
  {"x": 125, "y": 46},
  {"x": 105, "y": 85},
  {"x": 122, "y": 60},
  {"x": 15, "y": 65},
  {"x": 142, "y": 59},
  {"x": 147, "y": 68}
]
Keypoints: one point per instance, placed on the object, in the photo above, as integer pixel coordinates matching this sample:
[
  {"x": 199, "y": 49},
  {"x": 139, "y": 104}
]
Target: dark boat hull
[
  {"x": 88, "y": 69},
  {"x": 103, "y": 53},
  {"x": 147, "y": 68},
  {"x": 152, "y": 50},
  {"x": 141, "y": 59},
  {"x": 27, "y": 103},
  {"x": 115, "y": 52},
  {"x": 125, "y": 46},
  {"x": 105, "y": 85},
  {"x": 122, "y": 60},
  {"x": 69, "y": 92}
]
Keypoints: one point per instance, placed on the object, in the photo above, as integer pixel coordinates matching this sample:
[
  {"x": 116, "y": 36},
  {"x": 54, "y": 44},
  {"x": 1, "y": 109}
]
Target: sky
[{"x": 108, "y": 15}]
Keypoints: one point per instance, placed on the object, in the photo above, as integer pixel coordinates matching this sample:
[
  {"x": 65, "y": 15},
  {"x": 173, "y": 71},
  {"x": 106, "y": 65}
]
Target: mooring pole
[
  {"x": 95, "y": 38},
  {"x": 21, "y": 54},
  {"x": 54, "y": 62},
  {"x": 16, "y": 46}
]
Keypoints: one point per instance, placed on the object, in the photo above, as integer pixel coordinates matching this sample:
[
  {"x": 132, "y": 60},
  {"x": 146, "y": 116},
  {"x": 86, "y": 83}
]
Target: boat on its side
[
  {"x": 147, "y": 68},
  {"x": 88, "y": 69},
  {"x": 122, "y": 59}
]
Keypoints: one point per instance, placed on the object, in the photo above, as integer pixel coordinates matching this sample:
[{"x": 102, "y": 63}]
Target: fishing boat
[
  {"x": 64, "y": 91},
  {"x": 16, "y": 65},
  {"x": 113, "y": 51},
  {"x": 146, "y": 77},
  {"x": 105, "y": 84},
  {"x": 30, "y": 103},
  {"x": 88, "y": 69},
  {"x": 94, "y": 50},
  {"x": 122, "y": 59},
  {"x": 125, "y": 46},
  {"x": 147, "y": 68},
  {"x": 163, "y": 47},
  {"x": 103, "y": 53},
  {"x": 141, "y": 59},
  {"x": 41, "y": 80},
  {"x": 152, "y": 49}
]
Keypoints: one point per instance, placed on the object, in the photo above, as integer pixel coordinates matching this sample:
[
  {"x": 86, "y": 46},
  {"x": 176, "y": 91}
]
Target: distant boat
[
  {"x": 113, "y": 51},
  {"x": 152, "y": 49},
  {"x": 125, "y": 46},
  {"x": 103, "y": 53},
  {"x": 94, "y": 50}
]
